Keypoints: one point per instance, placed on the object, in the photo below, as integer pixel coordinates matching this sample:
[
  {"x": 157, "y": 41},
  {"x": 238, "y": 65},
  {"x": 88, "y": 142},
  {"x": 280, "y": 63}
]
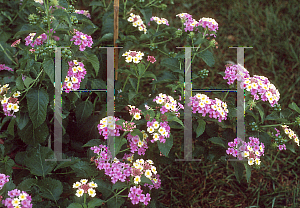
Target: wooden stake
[{"x": 116, "y": 34}]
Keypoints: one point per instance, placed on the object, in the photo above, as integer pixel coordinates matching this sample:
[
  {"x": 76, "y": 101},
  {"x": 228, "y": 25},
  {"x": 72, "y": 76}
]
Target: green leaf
[
  {"x": 48, "y": 66},
  {"x": 6, "y": 166},
  {"x": 147, "y": 13},
  {"x": 95, "y": 202},
  {"x": 118, "y": 185},
  {"x": 141, "y": 69},
  {"x": 92, "y": 143},
  {"x": 37, "y": 101},
  {"x": 248, "y": 172},
  {"x": 144, "y": 180},
  {"x": 84, "y": 169},
  {"x": 172, "y": 117},
  {"x": 32, "y": 136},
  {"x": 93, "y": 59},
  {"x": 26, "y": 184},
  {"x": 104, "y": 187},
  {"x": 165, "y": 148},
  {"x": 83, "y": 110},
  {"x": 115, "y": 202},
  {"x": 107, "y": 37},
  {"x": 64, "y": 164},
  {"x": 171, "y": 63},
  {"x": 137, "y": 132},
  {"x": 261, "y": 112},
  {"x": 131, "y": 95},
  {"x": 11, "y": 126},
  {"x": 26, "y": 29},
  {"x": 50, "y": 188},
  {"x": 96, "y": 3},
  {"x": 272, "y": 116},
  {"x": 207, "y": 57},
  {"x": 64, "y": 69},
  {"x": 133, "y": 83},
  {"x": 61, "y": 13},
  {"x": 149, "y": 74},
  {"x": 20, "y": 83},
  {"x": 217, "y": 140},
  {"x": 201, "y": 127},
  {"x": 120, "y": 122},
  {"x": 238, "y": 170},
  {"x": 294, "y": 107},
  {"x": 35, "y": 161},
  {"x": 291, "y": 147},
  {"x": 75, "y": 205},
  {"x": 199, "y": 40},
  {"x": 28, "y": 81}
]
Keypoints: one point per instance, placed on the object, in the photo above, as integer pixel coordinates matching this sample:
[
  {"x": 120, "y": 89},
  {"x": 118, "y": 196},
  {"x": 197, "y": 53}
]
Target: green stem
[
  {"x": 275, "y": 125},
  {"x": 162, "y": 52},
  {"x": 225, "y": 96},
  {"x": 124, "y": 8},
  {"x": 149, "y": 4},
  {"x": 125, "y": 82},
  {"x": 125, "y": 150},
  {"x": 145, "y": 45},
  {"x": 7, "y": 55},
  {"x": 274, "y": 160},
  {"x": 138, "y": 83},
  {"x": 200, "y": 45}
]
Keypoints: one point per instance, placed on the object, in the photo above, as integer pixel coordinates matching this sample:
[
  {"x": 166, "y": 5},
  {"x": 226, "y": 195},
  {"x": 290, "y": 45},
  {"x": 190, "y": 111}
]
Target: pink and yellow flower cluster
[
  {"x": 137, "y": 22},
  {"x": 75, "y": 75}
]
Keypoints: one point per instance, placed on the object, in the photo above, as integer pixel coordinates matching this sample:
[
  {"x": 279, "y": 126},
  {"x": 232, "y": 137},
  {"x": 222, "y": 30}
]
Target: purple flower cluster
[
  {"x": 113, "y": 168},
  {"x": 3, "y": 180},
  {"x": 84, "y": 12},
  {"x": 83, "y": 40},
  {"x": 136, "y": 196},
  {"x": 251, "y": 150},
  {"x": 156, "y": 183},
  {"x": 17, "y": 199},
  {"x": 168, "y": 104},
  {"x": 159, "y": 131},
  {"x": 106, "y": 126},
  {"x": 3, "y": 67},
  {"x": 159, "y": 21},
  {"x": 75, "y": 75},
  {"x": 259, "y": 86},
  {"x": 234, "y": 72},
  {"x": 191, "y": 23},
  {"x": 39, "y": 40},
  {"x": 203, "y": 104},
  {"x": 136, "y": 144}
]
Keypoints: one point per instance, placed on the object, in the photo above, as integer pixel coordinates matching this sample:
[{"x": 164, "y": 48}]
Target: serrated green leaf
[
  {"x": 144, "y": 180},
  {"x": 104, "y": 187},
  {"x": 50, "y": 188},
  {"x": 165, "y": 148},
  {"x": 118, "y": 144},
  {"x": 95, "y": 203},
  {"x": 147, "y": 13},
  {"x": 217, "y": 140},
  {"x": 48, "y": 66},
  {"x": 83, "y": 110},
  {"x": 64, "y": 164},
  {"x": 84, "y": 169},
  {"x": 133, "y": 83},
  {"x": 141, "y": 69},
  {"x": 93, "y": 59},
  {"x": 172, "y": 117},
  {"x": 107, "y": 37},
  {"x": 28, "y": 81},
  {"x": 201, "y": 127},
  {"x": 20, "y": 83},
  {"x": 32, "y": 136},
  {"x": 75, "y": 205},
  {"x": 37, "y": 102},
  {"x": 26, "y": 184},
  {"x": 35, "y": 161},
  {"x": 131, "y": 95},
  {"x": 207, "y": 57},
  {"x": 171, "y": 63}
]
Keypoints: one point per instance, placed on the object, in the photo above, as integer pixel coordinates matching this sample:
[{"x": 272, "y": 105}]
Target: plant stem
[
  {"x": 7, "y": 55},
  {"x": 125, "y": 82},
  {"x": 275, "y": 125},
  {"x": 274, "y": 160},
  {"x": 225, "y": 96},
  {"x": 84, "y": 198}
]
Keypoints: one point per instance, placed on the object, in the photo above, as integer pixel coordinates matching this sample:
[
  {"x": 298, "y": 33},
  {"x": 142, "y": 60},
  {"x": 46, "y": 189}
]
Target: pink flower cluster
[
  {"x": 191, "y": 23},
  {"x": 259, "y": 86},
  {"x": 251, "y": 150},
  {"x": 151, "y": 59},
  {"x": 159, "y": 131},
  {"x": 84, "y": 12},
  {"x": 75, "y": 75},
  {"x": 83, "y": 40},
  {"x": 136, "y": 144},
  {"x": 17, "y": 42},
  {"x": 39, "y": 40},
  {"x": 17, "y": 199},
  {"x": 159, "y": 21},
  {"x": 169, "y": 104},
  {"x": 137, "y": 22},
  {"x": 113, "y": 168},
  {"x": 136, "y": 196},
  {"x": 106, "y": 127},
  {"x": 203, "y": 104},
  {"x": 129, "y": 126},
  {"x": 3, "y": 180},
  {"x": 234, "y": 72},
  {"x": 3, "y": 67}
]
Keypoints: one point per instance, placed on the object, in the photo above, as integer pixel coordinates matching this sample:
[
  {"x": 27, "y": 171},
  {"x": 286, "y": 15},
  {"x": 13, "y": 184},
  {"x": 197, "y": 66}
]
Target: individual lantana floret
[
  {"x": 134, "y": 56},
  {"x": 75, "y": 75},
  {"x": 85, "y": 188},
  {"x": 203, "y": 104},
  {"x": 251, "y": 150},
  {"x": 17, "y": 199},
  {"x": 83, "y": 40},
  {"x": 137, "y": 22}
]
